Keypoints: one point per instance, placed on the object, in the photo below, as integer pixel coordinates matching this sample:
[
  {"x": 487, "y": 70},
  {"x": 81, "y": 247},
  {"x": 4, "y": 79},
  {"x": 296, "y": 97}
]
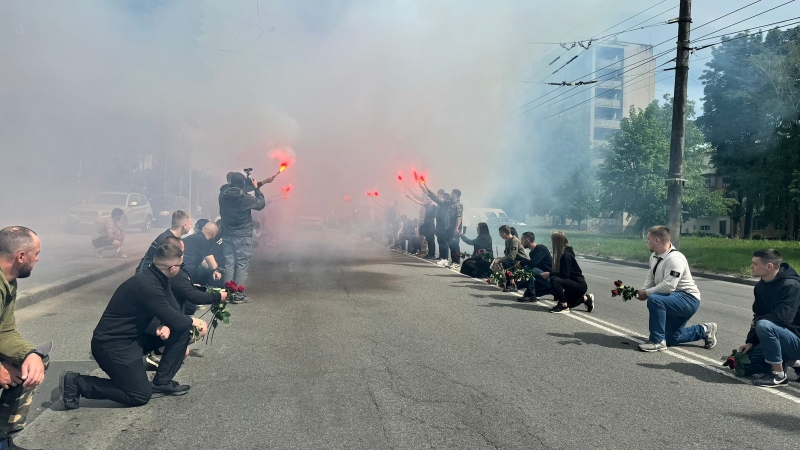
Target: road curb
[
  {"x": 709, "y": 275},
  {"x": 35, "y": 295}
]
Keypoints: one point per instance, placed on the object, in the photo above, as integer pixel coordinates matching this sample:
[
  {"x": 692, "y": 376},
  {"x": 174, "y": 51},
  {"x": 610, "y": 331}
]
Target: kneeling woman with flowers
[{"x": 566, "y": 279}]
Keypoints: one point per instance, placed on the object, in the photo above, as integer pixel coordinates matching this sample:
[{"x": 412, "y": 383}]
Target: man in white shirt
[{"x": 672, "y": 297}]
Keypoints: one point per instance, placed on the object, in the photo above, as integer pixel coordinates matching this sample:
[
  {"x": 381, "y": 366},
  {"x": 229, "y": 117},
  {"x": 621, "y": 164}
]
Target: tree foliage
[{"x": 632, "y": 175}]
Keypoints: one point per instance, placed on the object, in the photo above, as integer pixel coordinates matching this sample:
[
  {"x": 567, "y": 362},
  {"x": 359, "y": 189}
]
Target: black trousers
[
  {"x": 453, "y": 242},
  {"x": 430, "y": 236},
  {"x": 535, "y": 289},
  {"x": 476, "y": 268},
  {"x": 444, "y": 245},
  {"x": 568, "y": 291},
  {"x": 128, "y": 383}
]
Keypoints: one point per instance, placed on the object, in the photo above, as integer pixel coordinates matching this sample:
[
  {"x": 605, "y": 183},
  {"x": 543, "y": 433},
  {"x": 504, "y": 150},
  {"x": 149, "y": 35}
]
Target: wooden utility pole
[{"x": 675, "y": 180}]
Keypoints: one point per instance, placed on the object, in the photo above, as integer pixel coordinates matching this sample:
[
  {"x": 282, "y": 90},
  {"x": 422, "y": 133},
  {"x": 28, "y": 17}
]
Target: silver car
[{"x": 138, "y": 212}]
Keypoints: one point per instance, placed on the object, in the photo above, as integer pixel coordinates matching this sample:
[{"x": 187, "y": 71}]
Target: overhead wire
[{"x": 650, "y": 48}]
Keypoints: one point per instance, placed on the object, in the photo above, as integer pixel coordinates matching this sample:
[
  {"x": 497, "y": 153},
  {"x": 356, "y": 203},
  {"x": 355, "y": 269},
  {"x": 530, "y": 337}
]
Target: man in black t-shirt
[{"x": 198, "y": 249}]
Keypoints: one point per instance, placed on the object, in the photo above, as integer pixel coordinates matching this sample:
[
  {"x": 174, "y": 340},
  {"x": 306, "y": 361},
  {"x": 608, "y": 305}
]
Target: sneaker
[
  {"x": 772, "y": 381},
  {"x": 454, "y": 266},
  {"x": 589, "y": 302},
  {"x": 153, "y": 359},
  {"x": 70, "y": 396},
  {"x": 510, "y": 289},
  {"x": 653, "y": 346},
  {"x": 239, "y": 298},
  {"x": 558, "y": 309},
  {"x": 527, "y": 299},
  {"x": 171, "y": 388},
  {"x": 442, "y": 262},
  {"x": 711, "y": 335},
  {"x": 120, "y": 255}
]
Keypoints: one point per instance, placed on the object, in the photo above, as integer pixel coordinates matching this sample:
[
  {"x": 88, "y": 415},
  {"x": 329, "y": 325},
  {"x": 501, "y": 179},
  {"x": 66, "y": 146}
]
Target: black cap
[
  {"x": 200, "y": 223},
  {"x": 238, "y": 180}
]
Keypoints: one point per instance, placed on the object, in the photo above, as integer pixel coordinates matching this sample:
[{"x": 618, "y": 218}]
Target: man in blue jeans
[
  {"x": 672, "y": 297},
  {"x": 235, "y": 206},
  {"x": 773, "y": 342}
]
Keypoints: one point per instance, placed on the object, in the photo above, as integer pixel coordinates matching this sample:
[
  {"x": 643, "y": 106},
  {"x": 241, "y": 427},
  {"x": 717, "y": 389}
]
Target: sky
[{"x": 358, "y": 90}]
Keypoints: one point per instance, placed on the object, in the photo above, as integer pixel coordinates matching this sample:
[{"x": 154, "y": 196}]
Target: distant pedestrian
[{"x": 110, "y": 235}]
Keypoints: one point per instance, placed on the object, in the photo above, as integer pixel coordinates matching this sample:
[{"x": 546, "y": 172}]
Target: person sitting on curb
[
  {"x": 120, "y": 340},
  {"x": 513, "y": 253},
  {"x": 672, "y": 297},
  {"x": 540, "y": 261},
  {"x": 110, "y": 235},
  {"x": 773, "y": 342},
  {"x": 22, "y": 366},
  {"x": 476, "y": 266}
]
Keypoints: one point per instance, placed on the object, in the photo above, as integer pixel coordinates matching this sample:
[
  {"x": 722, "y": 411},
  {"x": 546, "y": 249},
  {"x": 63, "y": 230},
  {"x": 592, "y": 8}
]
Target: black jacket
[
  {"x": 134, "y": 305},
  {"x": 234, "y": 208},
  {"x": 185, "y": 292},
  {"x": 540, "y": 258},
  {"x": 568, "y": 268},
  {"x": 147, "y": 259},
  {"x": 777, "y": 301}
]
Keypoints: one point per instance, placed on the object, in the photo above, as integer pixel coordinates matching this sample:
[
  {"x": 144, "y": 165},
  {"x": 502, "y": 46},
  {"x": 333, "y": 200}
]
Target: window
[
  {"x": 705, "y": 227},
  {"x": 708, "y": 182}
]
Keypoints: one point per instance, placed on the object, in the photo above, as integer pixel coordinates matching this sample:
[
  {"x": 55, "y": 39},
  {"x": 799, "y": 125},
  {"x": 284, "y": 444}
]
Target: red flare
[
  {"x": 375, "y": 193},
  {"x": 369, "y": 194},
  {"x": 347, "y": 198},
  {"x": 283, "y": 167},
  {"x": 422, "y": 179},
  {"x": 400, "y": 177},
  {"x": 416, "y": 177},
  {"x": 286, "y": 189}
]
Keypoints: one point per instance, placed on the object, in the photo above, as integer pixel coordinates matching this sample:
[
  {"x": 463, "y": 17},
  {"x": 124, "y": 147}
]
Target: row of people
[{"x": 439, "y": 222}]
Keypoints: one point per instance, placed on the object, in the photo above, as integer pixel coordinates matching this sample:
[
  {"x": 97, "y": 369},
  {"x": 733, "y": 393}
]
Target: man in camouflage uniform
[{"x": 22, "y": 366}]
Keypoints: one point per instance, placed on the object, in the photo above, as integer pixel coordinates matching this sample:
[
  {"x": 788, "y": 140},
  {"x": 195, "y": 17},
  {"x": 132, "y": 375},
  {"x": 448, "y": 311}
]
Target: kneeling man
[{"x": 120, "y": 339}]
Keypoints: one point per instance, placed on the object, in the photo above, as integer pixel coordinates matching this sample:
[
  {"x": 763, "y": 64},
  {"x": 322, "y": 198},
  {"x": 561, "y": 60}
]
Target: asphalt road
[{"x": 350, "y": 345}]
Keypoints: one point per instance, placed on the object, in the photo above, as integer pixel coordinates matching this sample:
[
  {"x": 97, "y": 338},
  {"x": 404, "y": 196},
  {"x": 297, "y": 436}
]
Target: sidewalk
[{"x": 68, "y": 261}]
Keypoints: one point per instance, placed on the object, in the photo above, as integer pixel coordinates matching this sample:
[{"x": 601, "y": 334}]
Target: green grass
[{"x": 730, "y": 256}]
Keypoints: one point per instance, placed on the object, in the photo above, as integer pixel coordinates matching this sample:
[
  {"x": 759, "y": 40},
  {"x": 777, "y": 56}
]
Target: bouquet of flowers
[
  {"x": 627, "y": 292},
  {"x": 485, "y": 255},
  {"x": 497, "y": 278},
  {"x": 737, "y": 361},
  {"x": 219, "y": 311}
]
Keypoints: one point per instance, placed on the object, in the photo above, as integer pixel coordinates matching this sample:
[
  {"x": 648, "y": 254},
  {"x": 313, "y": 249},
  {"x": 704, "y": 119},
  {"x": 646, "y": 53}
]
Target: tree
[
  {"x": 637, "y": 163},
  {"x": 751, "y": 107}
]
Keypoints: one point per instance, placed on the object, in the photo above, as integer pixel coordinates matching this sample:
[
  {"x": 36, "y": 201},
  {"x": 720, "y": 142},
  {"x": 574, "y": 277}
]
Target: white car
[{"x": 138, "y": 212}]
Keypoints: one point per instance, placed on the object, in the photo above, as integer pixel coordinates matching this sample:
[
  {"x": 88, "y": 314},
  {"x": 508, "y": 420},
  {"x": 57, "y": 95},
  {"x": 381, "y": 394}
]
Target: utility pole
[{"x": 675, "y": 180}]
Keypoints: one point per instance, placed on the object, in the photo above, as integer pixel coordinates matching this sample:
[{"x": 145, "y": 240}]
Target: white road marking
[{"x": 676, "y": 352}]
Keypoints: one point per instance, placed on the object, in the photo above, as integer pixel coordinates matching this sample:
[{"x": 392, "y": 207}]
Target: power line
[
  {"x": 650, "y": 48},
  {"x": 565, "y": 52},
  {"x": 736, "y": 23}
]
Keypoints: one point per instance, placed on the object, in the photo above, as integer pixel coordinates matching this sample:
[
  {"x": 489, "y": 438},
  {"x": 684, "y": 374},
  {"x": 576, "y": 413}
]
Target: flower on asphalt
[
  {"x": 618, "y": 283},
  {"x": 615, "y": 292}
]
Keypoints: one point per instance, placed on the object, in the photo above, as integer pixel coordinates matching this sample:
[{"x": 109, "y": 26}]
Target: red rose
[
  {"x": 618, "y": 283},
  {"x": 227, "y": 285},
  {"x": 240, "y": 288},
  {"x": 489, "y": 281},
  {"x": 615, "y": 293},
  {"x": 731, "y": 362},
  {"x": 508, "y": 273}
]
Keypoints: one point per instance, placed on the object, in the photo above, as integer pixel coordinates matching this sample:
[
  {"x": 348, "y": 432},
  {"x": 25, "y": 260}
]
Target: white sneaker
[{"x": 442, "y": 262}]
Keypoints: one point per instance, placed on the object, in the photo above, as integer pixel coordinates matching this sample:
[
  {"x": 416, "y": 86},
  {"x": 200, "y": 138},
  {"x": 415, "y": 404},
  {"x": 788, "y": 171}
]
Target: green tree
[
  {"x": 637, "y": 163},
  {"x": 751, "y": 105}
]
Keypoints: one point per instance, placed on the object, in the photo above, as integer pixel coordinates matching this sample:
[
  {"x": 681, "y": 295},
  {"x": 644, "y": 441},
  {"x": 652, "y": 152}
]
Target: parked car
[
  {"x": 494, "y": 218},
  {"x": 163, "y": 207},
  {"x": 138, "y": 212}
]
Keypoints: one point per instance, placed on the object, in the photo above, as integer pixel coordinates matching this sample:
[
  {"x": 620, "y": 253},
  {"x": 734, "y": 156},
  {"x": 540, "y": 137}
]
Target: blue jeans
[
  {"x": 777, "y": 343},
  {"x": 238, "y": 251},
  {"x": 668, "y": 316}
]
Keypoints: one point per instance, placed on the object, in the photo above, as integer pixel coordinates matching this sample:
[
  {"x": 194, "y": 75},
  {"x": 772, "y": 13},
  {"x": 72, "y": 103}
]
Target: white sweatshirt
[{"x": 671, "y": 274}]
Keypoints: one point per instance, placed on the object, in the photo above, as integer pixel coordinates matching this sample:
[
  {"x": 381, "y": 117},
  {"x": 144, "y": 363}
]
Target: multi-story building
[{"x": 625, "y": 74}]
